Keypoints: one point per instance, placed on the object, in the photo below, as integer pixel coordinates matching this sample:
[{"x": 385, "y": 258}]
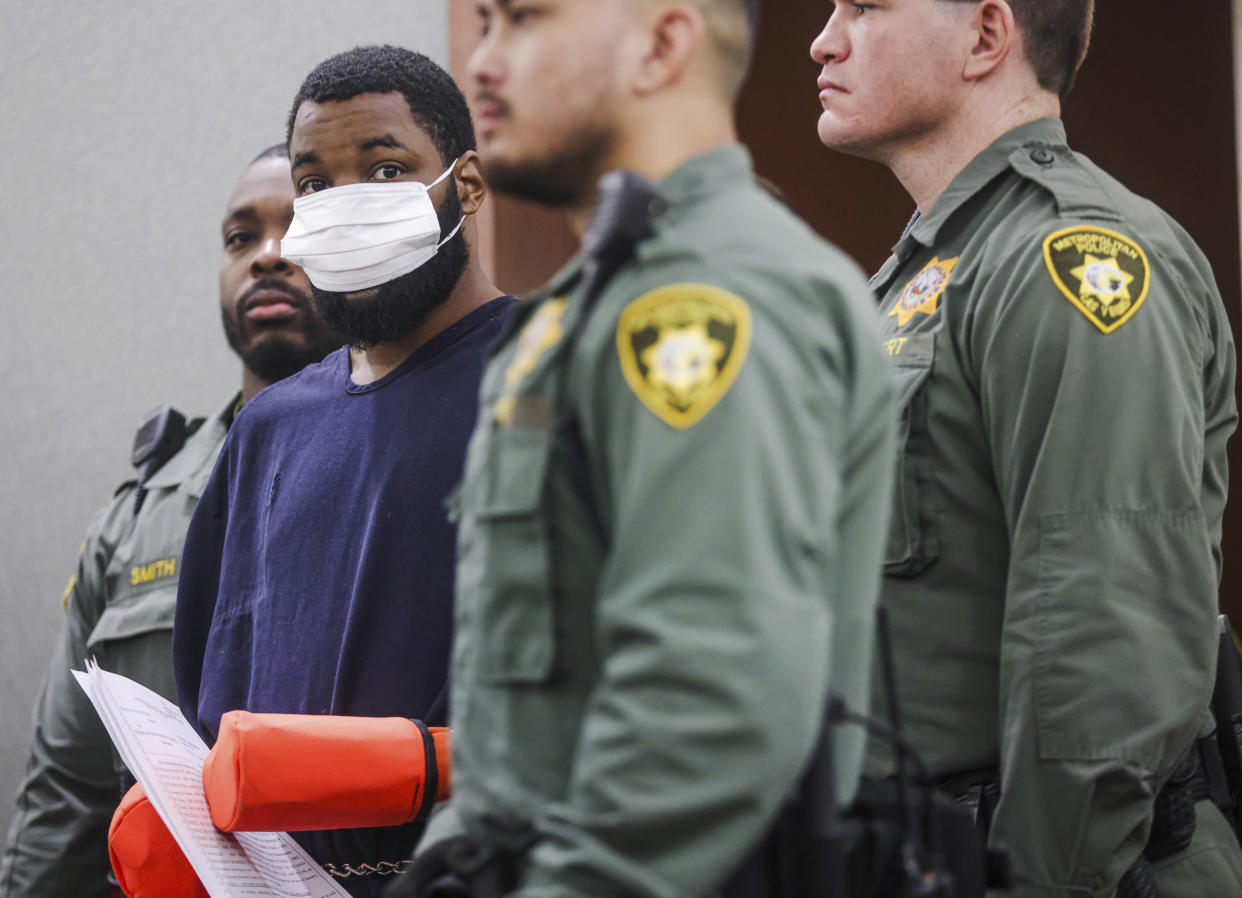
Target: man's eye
[
  {"x": 389, "y": 171},
  {"x": 238, "y": 239},
  {"x": 312, "y": 185},
  {"x": 861, "y": 8},
  {"x": 520, "y": 16}
]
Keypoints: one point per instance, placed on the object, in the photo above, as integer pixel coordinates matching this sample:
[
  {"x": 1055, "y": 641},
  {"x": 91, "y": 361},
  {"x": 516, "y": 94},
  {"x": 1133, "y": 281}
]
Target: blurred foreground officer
[
  {"x": 318, "y": 576},
  {"x": 1066, "y": 370},
  {"x": 673, "y": 508},
  {"x": 119, "y": 604}
]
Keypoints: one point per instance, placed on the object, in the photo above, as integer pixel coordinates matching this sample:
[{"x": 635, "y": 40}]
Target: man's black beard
[
  {"x": 399, "y": 305},
  {"x": 274, "y": 356},
  {"x": 567, "y": 176}
]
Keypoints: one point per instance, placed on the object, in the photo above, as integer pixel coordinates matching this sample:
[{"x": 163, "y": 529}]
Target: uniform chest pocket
[
  {"x": 913, "y": 537},
  {"x": 135, "y": 614},
  {"x": 506, "y": 570},
  {"x": 133, "y": 637}
]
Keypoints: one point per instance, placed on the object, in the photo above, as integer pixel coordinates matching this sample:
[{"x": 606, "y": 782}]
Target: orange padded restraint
[
  {"x": 146, "y": 859},
  {"x": 296, "y": 772}
]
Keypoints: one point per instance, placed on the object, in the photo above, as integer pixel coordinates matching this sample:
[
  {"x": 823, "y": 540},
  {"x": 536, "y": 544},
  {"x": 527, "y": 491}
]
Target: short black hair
[
  {"x": 276, "y": 149},
  {"x": 1057, "y": 34},
  {"x": 436, "y": 102}
]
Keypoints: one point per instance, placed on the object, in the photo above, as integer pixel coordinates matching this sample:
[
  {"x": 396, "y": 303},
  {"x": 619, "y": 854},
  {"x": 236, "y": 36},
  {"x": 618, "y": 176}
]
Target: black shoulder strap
[
  {"x": 620, "y": 222},
  {"x": 160, "y": 436}
]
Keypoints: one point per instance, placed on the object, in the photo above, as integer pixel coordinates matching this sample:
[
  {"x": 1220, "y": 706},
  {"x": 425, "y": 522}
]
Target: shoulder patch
[
  {"x": 1105, "y": 275},
  {"x": 922, "y": 294},
  {"x": 682, "y": 347}
]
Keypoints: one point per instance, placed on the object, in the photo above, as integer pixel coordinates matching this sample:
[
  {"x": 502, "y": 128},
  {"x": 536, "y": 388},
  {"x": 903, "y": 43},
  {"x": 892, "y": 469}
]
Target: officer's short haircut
[
  {"x": 278, "y": 149},
  {"x": 436, "y": 103},
  {"x": 1056, "y": 33},
  {"x": 732, "y": 26}
]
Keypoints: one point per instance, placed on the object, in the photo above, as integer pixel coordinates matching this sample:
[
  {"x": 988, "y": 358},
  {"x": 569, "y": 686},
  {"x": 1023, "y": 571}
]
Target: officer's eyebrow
[{"x": 247, "y": 212}]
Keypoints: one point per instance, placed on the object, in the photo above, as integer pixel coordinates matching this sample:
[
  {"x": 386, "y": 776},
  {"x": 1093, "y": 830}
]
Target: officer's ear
[
  {"x": 675, "y": 35},
  {"x": 992, "y": 36},
  {"x": 468, "y": 178}
]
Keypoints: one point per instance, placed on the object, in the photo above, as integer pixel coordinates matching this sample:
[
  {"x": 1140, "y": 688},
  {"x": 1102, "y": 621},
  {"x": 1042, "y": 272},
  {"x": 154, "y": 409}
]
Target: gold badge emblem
[
  {"x": 540, "y": 334},
  {"x": 1105, "y": 275},
  {"x": 682, "y": 347},
  {"x": 922, "y": 294}
]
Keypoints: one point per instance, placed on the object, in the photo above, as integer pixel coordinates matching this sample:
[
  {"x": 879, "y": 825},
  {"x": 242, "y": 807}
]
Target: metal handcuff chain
[{"x": 383, "y": 868}]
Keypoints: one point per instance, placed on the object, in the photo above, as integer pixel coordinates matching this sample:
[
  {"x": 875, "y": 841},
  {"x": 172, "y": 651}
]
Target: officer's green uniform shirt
[
  {"x": 118, "y": 609},
  {"x": 669, "y": 545},
  {"x": 1066, "y": 373}
]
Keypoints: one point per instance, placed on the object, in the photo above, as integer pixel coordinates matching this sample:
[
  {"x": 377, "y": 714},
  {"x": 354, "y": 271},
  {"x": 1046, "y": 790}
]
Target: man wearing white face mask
[{"x": 317, "y": 575}]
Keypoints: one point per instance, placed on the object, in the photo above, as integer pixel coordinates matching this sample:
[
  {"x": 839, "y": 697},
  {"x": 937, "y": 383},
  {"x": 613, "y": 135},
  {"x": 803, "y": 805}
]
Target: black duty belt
[
  {"x": 1199, "y": 776},
  {"x": 977, "y": 790}
]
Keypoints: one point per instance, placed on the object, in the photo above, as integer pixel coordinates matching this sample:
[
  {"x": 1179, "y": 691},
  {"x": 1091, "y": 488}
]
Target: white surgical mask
[{"x": 359, "y": 236}]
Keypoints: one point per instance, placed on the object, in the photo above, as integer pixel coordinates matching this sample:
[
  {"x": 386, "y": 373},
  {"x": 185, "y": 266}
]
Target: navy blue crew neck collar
[{"x": 429, "y": 350}]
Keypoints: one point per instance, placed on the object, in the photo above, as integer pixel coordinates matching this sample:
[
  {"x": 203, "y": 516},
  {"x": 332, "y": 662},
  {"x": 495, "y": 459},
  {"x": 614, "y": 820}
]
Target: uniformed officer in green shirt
[
  {"x": 119, "y": 604},
  {"x": 673, "y": 508},
  {"x": 1066, "y": 375}
]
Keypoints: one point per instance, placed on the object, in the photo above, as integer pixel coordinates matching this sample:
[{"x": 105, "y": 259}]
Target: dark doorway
[{"x": 1158, "y": 116}]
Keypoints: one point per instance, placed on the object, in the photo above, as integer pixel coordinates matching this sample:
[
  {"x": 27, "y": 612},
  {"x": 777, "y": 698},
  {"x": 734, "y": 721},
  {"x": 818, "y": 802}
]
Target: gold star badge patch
[
  {"x": 922, "y": 294},
  {"x": 681, "y": 348},
  {"x": 540, "y": 334},
  {"x": 1105, "y": 275}
]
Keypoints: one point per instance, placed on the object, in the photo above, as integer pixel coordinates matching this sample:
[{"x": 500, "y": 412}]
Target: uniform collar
[
  {"x": 978, "y": 173},
  {"x": 709, "y": 173},
  {"x": 695, "y": 179},
  {"x": 198, "y": 450}
]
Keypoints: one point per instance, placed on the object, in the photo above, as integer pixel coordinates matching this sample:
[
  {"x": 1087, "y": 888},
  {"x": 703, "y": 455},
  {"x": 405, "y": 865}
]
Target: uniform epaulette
[{"x": 1077, "y": 192}]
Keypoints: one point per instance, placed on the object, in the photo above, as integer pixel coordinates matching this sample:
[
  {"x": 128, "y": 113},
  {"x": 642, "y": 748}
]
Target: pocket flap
[
  {"x": 913, "y": 541},
  {"x": 135, "y": 614},
  {"x": 911, "y": 359},
  {"x": 513, "y": 478}
]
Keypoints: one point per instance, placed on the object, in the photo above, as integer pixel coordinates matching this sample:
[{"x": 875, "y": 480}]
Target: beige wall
[{"x": 124, "y": 128}]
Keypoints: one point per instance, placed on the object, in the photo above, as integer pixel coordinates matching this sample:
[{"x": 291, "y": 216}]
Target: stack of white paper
[{"x": 166, "y": 756}]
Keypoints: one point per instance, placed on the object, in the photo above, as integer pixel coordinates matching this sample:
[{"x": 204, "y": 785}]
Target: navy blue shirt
[{"x": 317, "y": 576}]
